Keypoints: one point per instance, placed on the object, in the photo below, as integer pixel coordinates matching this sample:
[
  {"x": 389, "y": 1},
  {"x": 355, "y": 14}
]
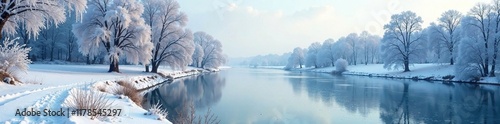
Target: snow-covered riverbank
[
  {"x": 48, "y": 86},
  {"x": 432, "y": 72}
]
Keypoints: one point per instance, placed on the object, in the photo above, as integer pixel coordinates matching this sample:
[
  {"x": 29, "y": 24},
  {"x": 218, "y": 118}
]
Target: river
[{"x": 246, "y": 95}]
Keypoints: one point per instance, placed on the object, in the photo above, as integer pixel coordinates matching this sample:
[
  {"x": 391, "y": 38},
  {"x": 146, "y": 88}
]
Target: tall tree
[
  {"x": 197, "y": 55},
  {"x": 33, "y": 15},
  {"x": 495, "y": 17},
  {"x": 312, "y": 55},
  {"x": 115, "y": 26},
  {"x": 326, "y": 54},
  {"x": 402, "y": 41},
  {"x": 479, "y": 14},
  {"x": 448, "y": 34},
  {"x": 436, "y": 47},
  {"x": 471, "y": 56},
  {"x": 52, "y": 37},
  {"x": 342, "y": 48},
  {"x": 297, "y": 58},
  {"x": 212, "y": 51},
  {"x": 173, "y": 44},
  {"x": 368, "y": 46},
  {"x": 353, "y": 40}
]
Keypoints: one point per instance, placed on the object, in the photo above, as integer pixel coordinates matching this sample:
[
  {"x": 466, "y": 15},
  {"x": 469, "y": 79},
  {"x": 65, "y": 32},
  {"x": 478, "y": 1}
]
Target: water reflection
[
  {"x": 438, "y": 103},
  {"x": 275, "y": 96},
  {"x": 403, "y": 101},
  {"x": 203, "y": 91},
  {"x": 357, "y": 97}
]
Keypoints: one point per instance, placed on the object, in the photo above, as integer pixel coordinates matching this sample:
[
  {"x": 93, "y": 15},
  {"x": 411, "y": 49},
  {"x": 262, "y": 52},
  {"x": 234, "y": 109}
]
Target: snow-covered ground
[
  {"x": 420, "y": 71},
  {"x": 47, "y": 86}
]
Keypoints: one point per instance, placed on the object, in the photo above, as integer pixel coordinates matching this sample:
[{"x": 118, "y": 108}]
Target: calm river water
[{"x": 245, "y": 95}]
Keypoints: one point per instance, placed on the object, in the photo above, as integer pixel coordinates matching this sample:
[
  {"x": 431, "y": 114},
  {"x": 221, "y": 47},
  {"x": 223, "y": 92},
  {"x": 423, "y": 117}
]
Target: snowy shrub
[
  {"x": 157, "y": 111},
  {"x": 13, "y": 55},
  {"x": 86, "y": 99},
  {"x": 467, "y": 72},
  {"x": 341, "y": 65}
]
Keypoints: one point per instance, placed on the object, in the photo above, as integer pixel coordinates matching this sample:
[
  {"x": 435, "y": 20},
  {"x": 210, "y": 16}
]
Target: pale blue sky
[{"x": 252, "y": 27}]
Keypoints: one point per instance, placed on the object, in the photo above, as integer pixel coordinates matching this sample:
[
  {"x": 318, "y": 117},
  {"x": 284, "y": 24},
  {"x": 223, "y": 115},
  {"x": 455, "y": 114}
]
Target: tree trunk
[
  {"x": 493, "y": 63},
  {"x": 88, "y": 60},
  {"x": 52, "y": 51},
  {"x": 69, "y": 56},
  {"x": 154, "y": 68},
  {"x": 406, "y": 64},
  {"x": 94, "y": 60},
  {"x": 451, "y": 59},
  {"x": 113, "y": 66},
  {"x": 147, "y": 67},
  {"x": 486, "y": 61}
]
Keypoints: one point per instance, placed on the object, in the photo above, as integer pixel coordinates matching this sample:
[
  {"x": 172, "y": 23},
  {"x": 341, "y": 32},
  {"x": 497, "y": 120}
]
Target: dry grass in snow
[
  {"x": 87, "y": 99},
  {"x": 128, "y": 89}
]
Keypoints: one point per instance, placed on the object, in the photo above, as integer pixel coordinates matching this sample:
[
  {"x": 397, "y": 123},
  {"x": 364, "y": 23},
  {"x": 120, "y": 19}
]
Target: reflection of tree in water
[
  {"x": 479, "y": 105},
  {"x": 358, "y": 97},
  {"x": 296, "y": 82},
  {"x": 395, "y": 111},
  {"x": 403, "y": 101},
  {"x": 412, "y": 102},
  {"x": 203, "y": 91}
]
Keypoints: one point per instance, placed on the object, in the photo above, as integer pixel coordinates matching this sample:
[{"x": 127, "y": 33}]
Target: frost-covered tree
[
  {"x": 470, "y": 59},
  {"x": 267, "y": 60},
  {"x": 369, "y": 45},
  {"x": 116, "y": 27},
  {"x": 13, "y": 56},
  {"x": 402, "y": 41},
  {"x": 495, "y": 27},
  {"x": 297, "y": 58},
  {"x": 446, "y": 35},
  {"x": 435, "y": 47},
  {"x": 173, "y": 44},
  {"x": 212, "y": 51},
  {"x": 354, "y": 42},
  {"x": 342, "y": 48},
  {"x": 52, "y": 39},
  {"x": 33, "y": 15},
  {"x": 326, "y": 54},
  {"x": 312, "y": 55},
  {"x": 197, "y": 55},
  {"x": 479, "y": 15}
]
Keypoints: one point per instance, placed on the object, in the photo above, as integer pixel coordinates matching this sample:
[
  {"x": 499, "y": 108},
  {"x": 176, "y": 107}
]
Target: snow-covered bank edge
[
  {"x": 133, "y": 112},
  {"x": 424, "y": 72},
  {"x": 444, "y": 79}
]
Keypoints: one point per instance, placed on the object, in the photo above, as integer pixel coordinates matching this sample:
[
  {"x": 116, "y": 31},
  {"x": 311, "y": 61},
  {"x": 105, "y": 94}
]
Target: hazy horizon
[{"x": 249, "y": 28}]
